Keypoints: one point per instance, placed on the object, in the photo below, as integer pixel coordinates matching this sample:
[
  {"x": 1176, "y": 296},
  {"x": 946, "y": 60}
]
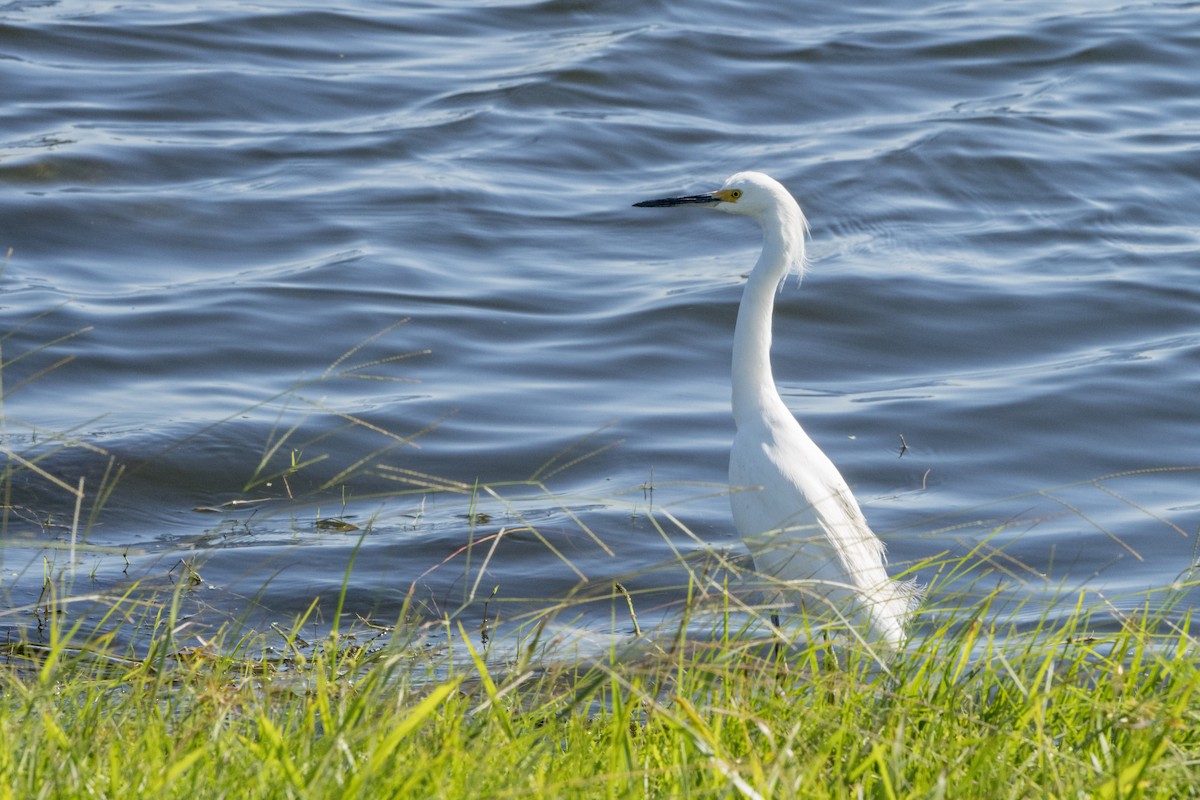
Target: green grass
[{"x": 969, "y": 711}]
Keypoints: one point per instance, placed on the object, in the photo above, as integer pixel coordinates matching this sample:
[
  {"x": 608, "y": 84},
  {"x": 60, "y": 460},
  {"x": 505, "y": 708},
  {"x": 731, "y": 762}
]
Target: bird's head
[
  {"x": 753, "y": 194},
  {"x": 750, "y": 194}
]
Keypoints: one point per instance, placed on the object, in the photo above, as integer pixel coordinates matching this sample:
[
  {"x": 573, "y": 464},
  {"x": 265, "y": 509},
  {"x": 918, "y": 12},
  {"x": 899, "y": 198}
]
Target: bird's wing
[{"x": 797, "y": 513}]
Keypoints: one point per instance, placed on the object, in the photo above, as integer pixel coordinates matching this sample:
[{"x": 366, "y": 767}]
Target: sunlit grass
[{"x": 971, "y": 709}]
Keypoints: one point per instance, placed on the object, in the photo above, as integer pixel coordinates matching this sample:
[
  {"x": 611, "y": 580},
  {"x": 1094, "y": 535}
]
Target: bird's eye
[{"x": 736, "y": 194}]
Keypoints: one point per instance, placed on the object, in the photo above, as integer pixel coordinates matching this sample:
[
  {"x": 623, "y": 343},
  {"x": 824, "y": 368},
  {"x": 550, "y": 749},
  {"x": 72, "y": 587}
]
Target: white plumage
[{"x": 790, "y": 504}]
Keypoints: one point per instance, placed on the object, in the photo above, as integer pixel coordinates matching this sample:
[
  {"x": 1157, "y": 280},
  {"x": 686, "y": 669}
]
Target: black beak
[{"x": 687, "y": 200}]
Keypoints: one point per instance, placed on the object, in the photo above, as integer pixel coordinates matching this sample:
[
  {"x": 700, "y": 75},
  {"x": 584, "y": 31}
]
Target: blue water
[{"x": 394, "y": 245}]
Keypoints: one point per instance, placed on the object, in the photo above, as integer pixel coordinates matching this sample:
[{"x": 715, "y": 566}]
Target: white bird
[{"x": 792, "y": 507}]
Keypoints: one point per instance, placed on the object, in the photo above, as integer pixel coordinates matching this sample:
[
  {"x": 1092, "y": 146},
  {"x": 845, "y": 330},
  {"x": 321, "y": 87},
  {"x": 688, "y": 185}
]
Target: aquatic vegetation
[{"x": 971, "y": 709}]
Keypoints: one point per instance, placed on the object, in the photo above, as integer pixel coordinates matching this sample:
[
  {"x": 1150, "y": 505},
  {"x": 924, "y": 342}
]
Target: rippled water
[{"x": 220, "y": 212}]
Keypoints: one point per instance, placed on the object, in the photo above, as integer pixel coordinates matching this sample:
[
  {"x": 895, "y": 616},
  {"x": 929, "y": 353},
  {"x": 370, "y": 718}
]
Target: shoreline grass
[
  {"x": 1000, "y": 693},
  {"x": 969, "y": 710}
]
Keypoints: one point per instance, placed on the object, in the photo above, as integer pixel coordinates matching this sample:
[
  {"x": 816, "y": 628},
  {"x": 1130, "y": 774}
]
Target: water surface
[{"x": 384, "y": 242}]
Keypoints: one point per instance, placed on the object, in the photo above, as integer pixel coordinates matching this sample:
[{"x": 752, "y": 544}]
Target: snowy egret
[{"x": 800, "y": 520}]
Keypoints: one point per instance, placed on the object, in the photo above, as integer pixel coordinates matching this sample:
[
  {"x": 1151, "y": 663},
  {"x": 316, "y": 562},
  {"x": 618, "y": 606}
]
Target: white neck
[{"x": 754, "y": 392}]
